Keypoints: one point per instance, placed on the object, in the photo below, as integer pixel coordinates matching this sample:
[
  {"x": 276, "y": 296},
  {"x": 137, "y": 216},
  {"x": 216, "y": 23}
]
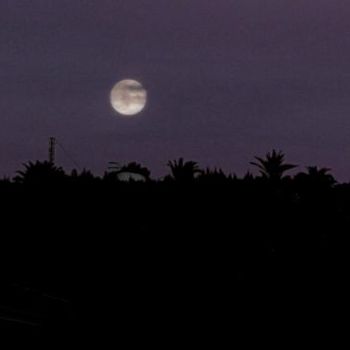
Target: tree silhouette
[
  {"x": 214, "y": 176},
  {"x": 212, "y": 221},
  {"x": 314, "y": 182},
  {"x": 114, "y": 166},
  {"x": 40, "y": 173},
  {"x": 86, "y": 177},
  {"x": 273, "y": 166},
  {"x": 115, "y": 169},
  {"x": 182, "y": 171},
  {"x": 136, "y": 168},
  {"x": 320, "y": 176}
]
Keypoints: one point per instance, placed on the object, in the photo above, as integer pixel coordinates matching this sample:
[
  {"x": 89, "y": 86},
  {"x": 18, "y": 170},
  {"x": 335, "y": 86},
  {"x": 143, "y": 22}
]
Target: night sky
[{"x": 226, "y": 80}]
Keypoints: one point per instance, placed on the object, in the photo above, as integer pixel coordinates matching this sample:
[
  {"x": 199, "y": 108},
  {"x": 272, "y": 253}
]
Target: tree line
[
  {"x": 194, "y": 237},
  {"x": 272, "y": 168}
]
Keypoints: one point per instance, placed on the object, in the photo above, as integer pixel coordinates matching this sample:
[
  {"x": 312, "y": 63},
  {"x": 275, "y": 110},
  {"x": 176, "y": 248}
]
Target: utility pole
[{"x": 52, "y": 145}]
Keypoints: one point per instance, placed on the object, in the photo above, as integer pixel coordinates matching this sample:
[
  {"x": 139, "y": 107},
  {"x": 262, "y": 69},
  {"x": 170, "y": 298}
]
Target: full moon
[{"x": 128, "y": 97}]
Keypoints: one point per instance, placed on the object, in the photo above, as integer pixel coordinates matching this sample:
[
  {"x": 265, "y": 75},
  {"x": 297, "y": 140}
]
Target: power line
[{"x": 68, "y": 155}]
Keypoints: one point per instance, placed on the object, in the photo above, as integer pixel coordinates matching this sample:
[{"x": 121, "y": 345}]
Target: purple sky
[{"x": 226, "y": 79}]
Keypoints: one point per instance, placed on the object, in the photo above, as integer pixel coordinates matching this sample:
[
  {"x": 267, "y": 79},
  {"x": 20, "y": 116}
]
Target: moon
[{"x": 128, "y": 97}]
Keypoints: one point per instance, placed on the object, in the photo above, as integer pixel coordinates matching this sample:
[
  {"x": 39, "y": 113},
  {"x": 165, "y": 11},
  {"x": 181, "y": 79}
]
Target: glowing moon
[{"x": 128, "y": 97}]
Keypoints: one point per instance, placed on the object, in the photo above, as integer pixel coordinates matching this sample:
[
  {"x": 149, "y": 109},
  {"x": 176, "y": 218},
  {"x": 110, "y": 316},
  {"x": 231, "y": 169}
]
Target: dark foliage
[
  {"x": 182, "y": 171},
  {"x": 78, "y": 249},
  {"x": 273, "y": 166}
]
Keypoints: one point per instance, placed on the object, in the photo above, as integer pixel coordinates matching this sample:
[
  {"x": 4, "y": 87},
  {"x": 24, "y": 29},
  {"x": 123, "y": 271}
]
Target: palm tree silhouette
[
  {"x": 136, "y": 168},
  {"x": 132, "y": 168},
  {"x": 315, "y": 178},
  {"x": 273, "y": 166},
  {"x": 40, "y": 173},
  {"x": 114, "y": 166},
  {"x": 320, "y": 176},
  {"x": 182, "y": 171}
]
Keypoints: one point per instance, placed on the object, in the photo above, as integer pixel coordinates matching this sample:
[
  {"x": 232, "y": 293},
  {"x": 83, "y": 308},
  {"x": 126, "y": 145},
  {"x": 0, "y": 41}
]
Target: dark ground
[{"x": 167, "y": 263}]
